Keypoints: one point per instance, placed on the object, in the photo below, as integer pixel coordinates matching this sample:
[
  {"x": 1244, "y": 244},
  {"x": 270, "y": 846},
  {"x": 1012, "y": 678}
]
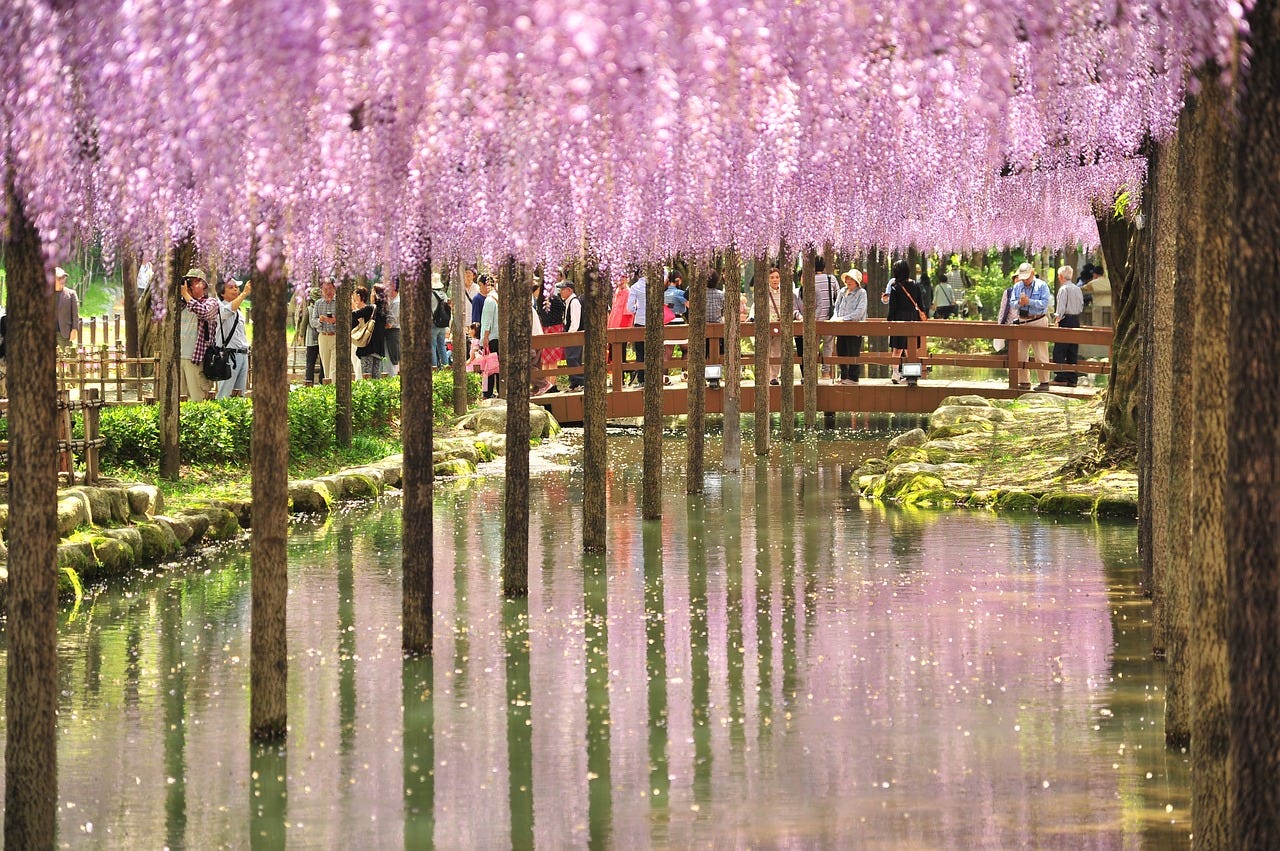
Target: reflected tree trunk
[
  {"x": 31, "y": 675},
  {"x": 654, "y": 376},
  {"x": 1253, "y": 484},
  {"x": 1210, "y": 736},
  {"x": 655, "y": 631},
  {"x": 812, "y": 342},
  {"x": 762, "y": 332},
  {"x": 343, "y": 375},
  {"x": 595, "y": 607},
  {"x": 732, "y": 369},
  {"x": 173, "y": 672},
  {"x": 696, "y": 426},
  {"x": 786, "y": 311},
  {"x": 515, "y": 352},
  {"x": 417, "y": 429},
  {"x": 169, "y": 382},
  {"x": 595, "y": 458},
  {"x": 269, "y": 663},
  {"x": 419, "y": 754},
  {"x": 268, "y": 796},
  {"x": 515, "y": 616}
]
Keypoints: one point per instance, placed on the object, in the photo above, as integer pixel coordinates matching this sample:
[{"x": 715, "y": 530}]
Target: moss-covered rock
[
  {"x": 1116, "y": 505},
  {"x": 873, "y": 467},
  {"x": 145, "y": 499},
  {"x": 966, "y": 402},
  {"x": 454, "y": 467},
  {"x": 392, "y": 473},
  {"x": 158, "y": 541},
  {"x": 106, "y": 505},
  {"x": 359, "y": 485},
  {"x": 940, "y": 498},
  {"x": 961, "y": 429},
  {"x": 180, "y": 528},
  {"x": 493, "y": 444},
  {"x": 223, "y": 524},
  {"x": 920, "y": 483},
  {"x": 907, "y": 455},
  {"x": 1062, "y": 502},
  {"x": 4, "y": 522},
  {"x": 77, "y": 555},
  {"x": 113, "y": 555},
  {"x": 309, "y": 497},
  {"x": 450, "y": 450},
  {"x": 1016, "y": 501},
  {"x": 128, "y": 535},
  {"x": 73, "y": 512},
  {"x": 197, "y": 521},
  {"x": 915, "y": 437},
  {"x": 949, "y": 415}
]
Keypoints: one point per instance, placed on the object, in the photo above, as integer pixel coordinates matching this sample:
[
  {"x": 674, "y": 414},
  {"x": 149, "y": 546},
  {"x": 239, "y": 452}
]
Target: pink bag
[{"x": 489, "y": 364}]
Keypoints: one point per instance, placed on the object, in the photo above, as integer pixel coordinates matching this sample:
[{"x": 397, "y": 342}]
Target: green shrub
[
  {"x": 375, "y": 405},
  {"x": 206, "y": 434},
  {"x": 312, "y": 413},
  {"x": 132, "y": 435},
  {"x": 442, "y": 394}
]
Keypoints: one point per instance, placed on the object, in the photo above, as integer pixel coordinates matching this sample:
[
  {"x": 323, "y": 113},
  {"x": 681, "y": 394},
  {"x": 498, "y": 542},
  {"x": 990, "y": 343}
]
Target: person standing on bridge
[
  {"x": 572, "y": 323},
  {"x": 851, "y": 306},
  {"x": 1070, "y": 306},
  {"x": 903, "y": 297},
  {"x": 1030, "y": 298}
]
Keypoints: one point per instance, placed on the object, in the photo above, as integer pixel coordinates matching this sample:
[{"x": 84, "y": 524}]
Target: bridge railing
[{"x": 918, "y": 334}]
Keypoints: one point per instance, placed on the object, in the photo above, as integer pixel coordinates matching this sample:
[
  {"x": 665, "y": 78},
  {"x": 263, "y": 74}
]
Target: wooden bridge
[{"x": 871, "y": 394}]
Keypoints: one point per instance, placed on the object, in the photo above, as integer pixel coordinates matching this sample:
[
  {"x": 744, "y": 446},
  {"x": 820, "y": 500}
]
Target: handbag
[
  {"x": 362, "y": 333},
  {"x": 489, "y": 364},
  {"x": 217, "y": 360},
  {"x": 907, "y": 293}
]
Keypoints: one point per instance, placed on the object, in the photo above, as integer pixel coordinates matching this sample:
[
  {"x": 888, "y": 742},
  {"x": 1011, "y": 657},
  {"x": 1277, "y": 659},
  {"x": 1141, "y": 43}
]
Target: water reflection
[{"x": 774, "y": 663}]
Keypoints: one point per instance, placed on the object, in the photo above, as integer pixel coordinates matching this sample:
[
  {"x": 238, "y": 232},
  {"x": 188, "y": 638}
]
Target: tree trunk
[
  {"x": 1154, "y": 459},
  {"x": 515, "y": 351},
  {"x": 269, "y": 663},
  {"x": 1253, "y": 486},
  {"x": 1124, "y": 248},
  {"x": 461, "y": 340},
  {"x": 786, "y": 311},
  {"x": 169, "y": 384},
  {"x": 595, "y": 413},
  {"x": 1210, "y": 739},
  {"x": 654, "y": 374},
  {"x": 1182, "y": 456},
  {"x": 696, "y": 425},
  {"x": 732, "y": 370},
  {"x": 31, "y": 698},
  {"x": 762, "y": 331},
  {"x": 343, "y": 375},
  {"x": 417, "y": 433},
  {"x": 812, "y": 342},
  {"x": 129, "y": 283}
]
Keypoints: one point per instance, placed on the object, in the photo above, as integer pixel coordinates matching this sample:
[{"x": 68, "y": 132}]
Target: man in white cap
[
  {"x": 1030, "y": 297},
  {"x": 67, "y": 309},
  {"x": 572, "y": 322}
]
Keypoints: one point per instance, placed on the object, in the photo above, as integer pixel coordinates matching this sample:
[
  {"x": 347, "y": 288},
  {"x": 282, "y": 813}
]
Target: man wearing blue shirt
[{"x": 1031, "y": 299}]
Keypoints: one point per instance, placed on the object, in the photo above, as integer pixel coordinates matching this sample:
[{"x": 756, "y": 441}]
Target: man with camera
[
  {"x": 198, "y": 327},
  {"x": 324, "y": 319},
  {"x": 1030, "y": 297}
]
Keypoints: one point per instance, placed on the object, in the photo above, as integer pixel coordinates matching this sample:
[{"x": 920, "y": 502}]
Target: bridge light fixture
[{"x": 912, "y": 372}]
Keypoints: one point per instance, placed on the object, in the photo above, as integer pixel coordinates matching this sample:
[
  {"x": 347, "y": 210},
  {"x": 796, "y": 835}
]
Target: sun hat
[
  {"x": 195, "y": 274},
  {"x": 853, "y": 273},
  {"x": 1025, "y": 271},
  {"x": 59, "y": 272}
]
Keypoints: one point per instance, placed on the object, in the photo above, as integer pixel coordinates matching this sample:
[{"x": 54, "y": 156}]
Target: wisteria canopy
[{"x": 363, "y": 131}]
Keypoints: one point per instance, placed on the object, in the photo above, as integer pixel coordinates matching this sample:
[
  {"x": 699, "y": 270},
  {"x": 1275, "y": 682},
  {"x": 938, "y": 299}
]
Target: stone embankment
[
  {"x": 115, "y": 527},
  {"x": 1036, "y": 453}
]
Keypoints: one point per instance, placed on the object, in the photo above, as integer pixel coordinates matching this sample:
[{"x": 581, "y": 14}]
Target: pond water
[{"x": 775, "y": 664}]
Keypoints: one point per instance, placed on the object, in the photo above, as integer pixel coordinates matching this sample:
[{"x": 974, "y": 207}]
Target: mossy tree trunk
[
  {"x": 268, "y": 654},
  {"x": 786, "y": 311},
  {"x": 1210, "y": 736},
  {"x": 417, "y": 435},
  {"x": 515, "y": 351},
  {"x": 169, "y": 382},
  {"x": 697, "y": 422},
  {"x": 762, "y": 331},
  {"x": 1154, "y": 466},
  {"x": 343, "y": 375},
  {"x": 129, "y": 281},
  {"x": 1182, "y": 456},
  {"x": 31, "y": 676},
  {"x": 812, "y": 342},
  {"x": 595, "y": 414},
  {"x": 1253, "y": 483},
  {"x": 731, "y": 369},
  {"x": 1124, "y": 247},
  {"x": 654, "y": 373}
]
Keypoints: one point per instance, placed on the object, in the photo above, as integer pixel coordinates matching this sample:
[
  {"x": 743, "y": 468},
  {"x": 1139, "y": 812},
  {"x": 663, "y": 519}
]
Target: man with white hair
[
  {"x": 1030, "y": 297},
  {"x": 1070, "y": 306}
]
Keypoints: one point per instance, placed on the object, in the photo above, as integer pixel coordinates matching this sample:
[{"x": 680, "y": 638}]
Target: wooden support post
[
  {"x": 92, "y": 410},
  {"x": 696, "y": 422},
  {"x": 654, "y": 373}
]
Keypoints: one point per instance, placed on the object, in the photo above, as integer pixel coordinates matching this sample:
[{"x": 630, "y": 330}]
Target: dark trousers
[
  {"x": 945, "y": 312},
  {"x": 573, "y": 357},
  {"x": 639, "y": 344},
  {"x": 849, "y": 347},
  {"x": 1068, "y": 353},
  {"x": 315, "y": 369}
]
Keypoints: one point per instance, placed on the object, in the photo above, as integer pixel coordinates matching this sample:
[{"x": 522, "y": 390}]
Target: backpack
[{"x": 442, "y": 313}]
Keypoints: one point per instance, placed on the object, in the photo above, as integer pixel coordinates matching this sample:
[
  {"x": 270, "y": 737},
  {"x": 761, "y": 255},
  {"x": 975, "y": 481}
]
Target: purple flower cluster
[{"x": 348, "y": 131}]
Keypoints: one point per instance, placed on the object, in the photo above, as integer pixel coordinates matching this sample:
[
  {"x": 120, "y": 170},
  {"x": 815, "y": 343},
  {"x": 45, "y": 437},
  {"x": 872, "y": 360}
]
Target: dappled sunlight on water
[{"x": 775, "y": 663}]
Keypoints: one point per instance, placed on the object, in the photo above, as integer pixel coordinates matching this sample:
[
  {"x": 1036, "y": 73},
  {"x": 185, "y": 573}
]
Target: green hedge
[{"x": 221, "y": 431}]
